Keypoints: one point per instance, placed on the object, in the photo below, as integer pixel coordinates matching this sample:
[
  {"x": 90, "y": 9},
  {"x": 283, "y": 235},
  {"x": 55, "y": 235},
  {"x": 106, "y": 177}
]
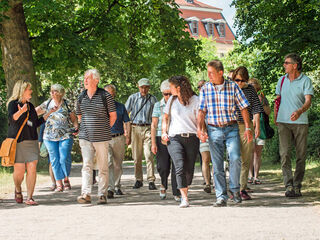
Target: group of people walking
[{"x": 225, "y": 116}]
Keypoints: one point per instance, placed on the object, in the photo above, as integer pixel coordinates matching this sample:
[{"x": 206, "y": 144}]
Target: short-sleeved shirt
[
  {"x": 135, "y": 102},
  {"x": 157, "y": 113},
  {"x": 293, "y": 97},
  {"x": 29, "y": 131},
  {"x": 220, "y": 103},
  {"x": 58, "y": 124},
  {"x": 183, "y": 118},
  {"x": 254, "y": 101},
  {"x": 95, "y": 122},
  {"x": 122, "y": 116}
]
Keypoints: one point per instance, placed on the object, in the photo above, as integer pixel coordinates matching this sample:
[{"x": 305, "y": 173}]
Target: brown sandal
[
  {"x": 18, "y": 196},
  {"x": 67, "y": 185},
  {"x": 31, "y": 202}
]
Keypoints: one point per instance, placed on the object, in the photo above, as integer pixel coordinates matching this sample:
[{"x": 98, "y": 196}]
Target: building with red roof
[{"x": 207, "y": 21}]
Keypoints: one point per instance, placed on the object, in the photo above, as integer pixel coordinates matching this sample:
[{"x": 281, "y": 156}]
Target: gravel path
[{"x": 140, "y": 214}]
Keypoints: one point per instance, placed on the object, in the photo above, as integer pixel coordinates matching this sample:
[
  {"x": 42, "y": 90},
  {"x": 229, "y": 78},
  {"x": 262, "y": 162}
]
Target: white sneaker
[
  {"x": 163, "y": 195},
  {"x": 184, "y": 203}
]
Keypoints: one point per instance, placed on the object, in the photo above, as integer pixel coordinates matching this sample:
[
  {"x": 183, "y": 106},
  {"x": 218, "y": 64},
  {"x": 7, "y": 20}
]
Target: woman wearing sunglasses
[
  {"x": 160, "y": 150},
  {"x": 241, "y": 77}
]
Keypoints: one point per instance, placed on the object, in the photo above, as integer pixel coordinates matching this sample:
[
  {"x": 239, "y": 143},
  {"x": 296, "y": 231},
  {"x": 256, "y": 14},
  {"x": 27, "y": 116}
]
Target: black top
[
  {"x": 255, "y": 105},
  {"x": 29, "y": 131}
]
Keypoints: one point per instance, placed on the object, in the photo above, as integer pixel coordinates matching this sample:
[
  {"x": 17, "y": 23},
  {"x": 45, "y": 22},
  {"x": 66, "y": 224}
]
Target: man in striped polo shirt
[
  {"x": 140, "y": 106},
  {"x": 218, "y": 101},
  {"x": 96, "y": 113}
]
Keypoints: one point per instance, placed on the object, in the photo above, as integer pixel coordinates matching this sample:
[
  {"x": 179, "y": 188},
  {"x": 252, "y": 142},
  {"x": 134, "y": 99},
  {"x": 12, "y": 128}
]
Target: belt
[
  {"x": 186, "y": 135},
  {"x": 224, "y": 125},
  {"x": 140, "y": 124},
  {"x": 116, "y": 134}
]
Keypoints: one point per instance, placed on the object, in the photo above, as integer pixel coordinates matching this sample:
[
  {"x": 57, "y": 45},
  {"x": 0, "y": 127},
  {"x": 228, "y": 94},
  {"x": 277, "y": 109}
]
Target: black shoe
[
  {"x": 236, "y": 197},
  {"x": 207, "y": 189},
  {"x": 220, "y": 203},
  {"x": 297, "y": 192},
  {"x": 290, "y": 192},
  {"x": 110, "y": 194},
  {"x": 137, "y": 185},
  {"x": 152, "y": 186},
  {"x": 119, "y": 192}
]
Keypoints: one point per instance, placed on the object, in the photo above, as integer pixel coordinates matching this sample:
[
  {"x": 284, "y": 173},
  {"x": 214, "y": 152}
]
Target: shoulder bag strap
[
  {"x": 141, "y": 107},
  {"x": 282, "y": 83},
  {"x": 169, "y": 113},
  {"x": 22, "y": 126}
]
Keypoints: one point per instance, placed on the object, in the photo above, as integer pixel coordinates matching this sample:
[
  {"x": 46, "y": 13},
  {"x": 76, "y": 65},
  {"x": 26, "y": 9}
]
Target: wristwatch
[{"x": 248, "y": 129}]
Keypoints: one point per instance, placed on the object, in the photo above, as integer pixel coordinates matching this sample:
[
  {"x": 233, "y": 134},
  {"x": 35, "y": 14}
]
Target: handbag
[
  {"x": 9, "y": 147},
  {"x": 43, "y": 151},
  {"x": 169, "y": 119},
  {"x": 278, "y": 101},
  {"x": 266, "y": 131}
]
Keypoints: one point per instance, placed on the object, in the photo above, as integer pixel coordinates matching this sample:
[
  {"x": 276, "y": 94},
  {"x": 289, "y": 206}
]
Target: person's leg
[
  {"x": 217, "y": 150},
  {"x": 137, "y": 147},
  {"x": 257, "y": 160},
  {"x": 148, "y": 155},
  {"x": 102, "y": 161},
  {"x": 191, "y": 146},
  {"x": 233, "y": 148},
  {"x": 177, "y": 154},
  {"x": 88, "y": 153},
  {"x": 65, "y": 147},
  {"x": 18, "y": 175},
  {"x": 111, "y": 185},
  {"x": 175, "y": 190},
  {"x": 246, "y": 149},
  {"x": 119, "y": 152},
  {"x": 285, "y": 141},
  {"x": 163, "y": 162},
  {"x": 300, "y": 132},
  {"x": 206, "y": 166},
  {"x": 31, "y": 177}
]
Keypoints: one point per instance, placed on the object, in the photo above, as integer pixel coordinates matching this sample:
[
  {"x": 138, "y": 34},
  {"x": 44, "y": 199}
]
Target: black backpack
[{"x": 100, "y": 91}]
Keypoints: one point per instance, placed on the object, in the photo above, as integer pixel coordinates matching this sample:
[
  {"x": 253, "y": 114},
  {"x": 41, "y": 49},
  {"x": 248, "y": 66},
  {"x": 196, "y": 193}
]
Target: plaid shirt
[{"x": 220, "y": 105}]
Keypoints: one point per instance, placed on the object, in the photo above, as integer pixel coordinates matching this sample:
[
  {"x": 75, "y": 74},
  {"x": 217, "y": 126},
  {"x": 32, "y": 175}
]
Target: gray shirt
[{"x": 135, "y": 102}]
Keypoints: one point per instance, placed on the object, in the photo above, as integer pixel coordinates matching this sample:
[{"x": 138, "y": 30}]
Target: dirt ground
[{"x": 140, "y": 214}]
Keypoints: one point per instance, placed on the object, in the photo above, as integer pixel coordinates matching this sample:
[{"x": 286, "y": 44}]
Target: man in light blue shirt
[{"x": 296, "y": 92}]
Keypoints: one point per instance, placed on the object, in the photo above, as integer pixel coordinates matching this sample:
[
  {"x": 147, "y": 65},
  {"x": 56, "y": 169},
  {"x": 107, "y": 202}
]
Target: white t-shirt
[{"x": 183, "y": 118}]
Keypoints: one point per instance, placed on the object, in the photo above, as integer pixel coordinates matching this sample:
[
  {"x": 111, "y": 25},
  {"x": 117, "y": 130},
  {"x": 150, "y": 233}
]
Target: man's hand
[
  {"x": 247, "y": 135},
  {"x": 203, "y": 136},
  {"x": 295, "y": 115},
  {"x": 165, "y": 137},
  {"x": 154, "y": 149}
]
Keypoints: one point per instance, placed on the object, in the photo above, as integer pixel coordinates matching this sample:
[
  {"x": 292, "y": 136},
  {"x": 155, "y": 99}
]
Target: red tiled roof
[{"x": 195, "y": 4}]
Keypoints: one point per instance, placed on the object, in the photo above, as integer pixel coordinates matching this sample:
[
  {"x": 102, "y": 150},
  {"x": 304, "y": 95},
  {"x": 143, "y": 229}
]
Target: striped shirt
[
  {"x": 95, "y": 124},
  {"x": 220, "y": 104},
  {"x": 157, "y": 113},
  {"x": 254, "y": 101},
  {"x": 135, "y": 102}
]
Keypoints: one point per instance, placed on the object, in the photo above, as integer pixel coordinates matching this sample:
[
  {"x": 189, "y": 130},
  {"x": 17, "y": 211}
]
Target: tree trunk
[{"x": 17, "y": 60}]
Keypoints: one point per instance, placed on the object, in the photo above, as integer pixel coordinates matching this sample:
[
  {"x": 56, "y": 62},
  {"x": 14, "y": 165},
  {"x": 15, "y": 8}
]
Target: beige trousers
[
  {"x": 141, "y": 143},
  {"x": 246, "y": 150},
  {"x": 115, "y": 159}
]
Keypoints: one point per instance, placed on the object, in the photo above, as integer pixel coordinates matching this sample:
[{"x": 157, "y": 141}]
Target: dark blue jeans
[{"x": 184, "y": 151}]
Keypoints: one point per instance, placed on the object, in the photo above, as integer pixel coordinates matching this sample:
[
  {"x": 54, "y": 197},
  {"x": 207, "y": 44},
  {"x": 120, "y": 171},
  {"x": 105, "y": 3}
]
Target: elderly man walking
[
  {"x": 121, "y": 135},
  {"x": 296, "y": 91},
  {"x": 140, "y": 106},
  {"x": 96, "y": 112},
  {"x": 218, "y": 101}
]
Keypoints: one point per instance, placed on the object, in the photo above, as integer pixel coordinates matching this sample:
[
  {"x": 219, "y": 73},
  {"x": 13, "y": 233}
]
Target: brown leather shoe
[{"x": 84, "y": 199}]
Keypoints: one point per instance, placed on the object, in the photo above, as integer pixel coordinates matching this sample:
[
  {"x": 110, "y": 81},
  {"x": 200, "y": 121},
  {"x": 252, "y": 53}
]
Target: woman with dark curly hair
[{"x": 179, "y": 130}]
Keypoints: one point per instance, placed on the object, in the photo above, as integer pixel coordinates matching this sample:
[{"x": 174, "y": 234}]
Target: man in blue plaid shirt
[{"x": 218, "y": 101}]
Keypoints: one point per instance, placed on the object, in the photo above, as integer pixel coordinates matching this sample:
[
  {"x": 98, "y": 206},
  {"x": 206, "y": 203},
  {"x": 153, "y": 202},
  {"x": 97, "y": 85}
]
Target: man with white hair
[
  {"x": 140, "y": 106},
  {"x": 96, "y": 113},
  {"x": 121, "y": 135}
]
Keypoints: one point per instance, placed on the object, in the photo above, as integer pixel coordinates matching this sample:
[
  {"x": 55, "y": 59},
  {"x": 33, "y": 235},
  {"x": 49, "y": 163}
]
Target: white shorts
[{"x": 260, "y": 142}]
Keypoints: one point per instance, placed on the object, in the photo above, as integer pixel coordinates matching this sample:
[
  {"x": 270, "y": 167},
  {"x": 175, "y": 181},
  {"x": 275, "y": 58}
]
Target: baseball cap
[{"x": 143, "y": 82}]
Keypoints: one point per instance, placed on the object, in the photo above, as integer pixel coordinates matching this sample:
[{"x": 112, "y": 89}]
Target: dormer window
[
  {"x": 209, "y": 26},
  {"x": 193, "y": 23},
  {"x": 189, "y": 1},
  {"x": 221, "y": 28}
]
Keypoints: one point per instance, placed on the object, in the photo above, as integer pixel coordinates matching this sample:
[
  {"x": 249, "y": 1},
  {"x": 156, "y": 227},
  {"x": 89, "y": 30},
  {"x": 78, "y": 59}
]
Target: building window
[
  {"x": 221, "y": 29},
  {"x": 210, "y": 29},
  {"x": 194, "y": 28},
  {"x": 190, "y": 1}
]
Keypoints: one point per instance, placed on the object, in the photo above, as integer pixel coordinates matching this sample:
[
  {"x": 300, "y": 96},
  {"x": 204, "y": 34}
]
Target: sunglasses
[
  {"x": 239, "y": 80},
  {"x": 199, "y": 87},
  {"x": 286, "y": 63},
  {"x": 166, "y": 94}
]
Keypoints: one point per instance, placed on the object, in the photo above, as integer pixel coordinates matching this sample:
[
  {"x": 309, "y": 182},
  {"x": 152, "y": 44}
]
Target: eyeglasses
[
  {"x": 229, "y": 78},
  {"x": 166, "y": 94},
  {"x": 239, "y": 80},
  {"x": 286, "y": 63},
  {"x": 199, "y": 87}
]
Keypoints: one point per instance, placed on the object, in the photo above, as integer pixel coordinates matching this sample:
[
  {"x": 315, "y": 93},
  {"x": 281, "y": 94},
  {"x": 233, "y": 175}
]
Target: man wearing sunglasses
[
  {"x": 296, "y": 92},
  {"x": 218, "y": 101}
]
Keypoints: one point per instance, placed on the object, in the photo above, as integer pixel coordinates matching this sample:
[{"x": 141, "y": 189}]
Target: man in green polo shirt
[{"x": 296, "y": 93}]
